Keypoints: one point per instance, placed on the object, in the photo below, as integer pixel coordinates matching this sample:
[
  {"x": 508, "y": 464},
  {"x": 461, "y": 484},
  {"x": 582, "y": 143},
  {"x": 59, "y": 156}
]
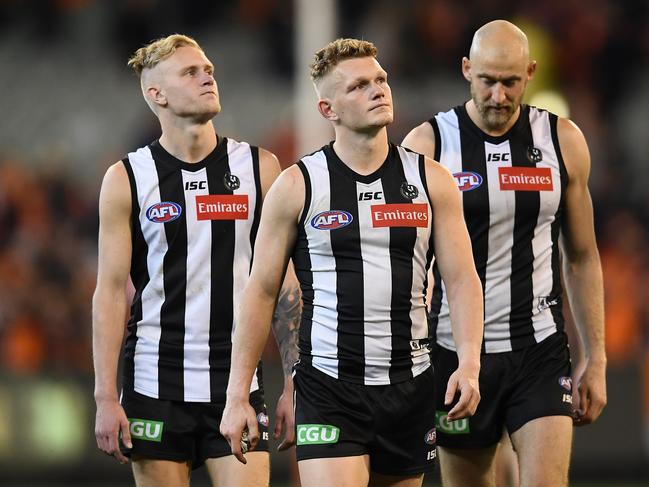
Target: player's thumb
[{"x": 126, "y": 433}]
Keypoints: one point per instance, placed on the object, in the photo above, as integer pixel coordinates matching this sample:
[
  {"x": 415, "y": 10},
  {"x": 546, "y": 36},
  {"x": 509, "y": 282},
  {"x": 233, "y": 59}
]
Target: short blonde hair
[
  {"x": 156, "y": 51},
  {"x": 329, "y": 56}
]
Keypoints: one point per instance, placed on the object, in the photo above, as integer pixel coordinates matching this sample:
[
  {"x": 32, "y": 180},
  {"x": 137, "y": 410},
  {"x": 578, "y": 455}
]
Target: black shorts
[
  {"x": 183, "y": 431},
  {"x": 515, "y": 388},
  {"x": 394, "y": 424}
]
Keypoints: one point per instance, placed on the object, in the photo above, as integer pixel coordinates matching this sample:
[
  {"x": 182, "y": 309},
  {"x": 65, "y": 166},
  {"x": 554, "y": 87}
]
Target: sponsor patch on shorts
[
  {"x": 457, "y": 427},
  {"x": 317, "y": 434},
  {"x": 145, "y": 429}
]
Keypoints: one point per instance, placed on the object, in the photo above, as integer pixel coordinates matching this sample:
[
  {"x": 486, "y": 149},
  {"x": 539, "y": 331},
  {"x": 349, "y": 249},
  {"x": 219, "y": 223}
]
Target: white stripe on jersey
[
  {"x": 198, "y": 297},
  {"x": 153, "y": 295},
  {"x": 375, "y": 249},
  {"x": 544, "y": 324},
  {"x": 324, "y": 339},
  {"x": 497, "y": 290}
]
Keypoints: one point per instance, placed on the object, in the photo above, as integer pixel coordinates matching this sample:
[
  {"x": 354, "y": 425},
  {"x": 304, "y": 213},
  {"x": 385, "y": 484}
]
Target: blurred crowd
[{"x": 595, "y": 53}]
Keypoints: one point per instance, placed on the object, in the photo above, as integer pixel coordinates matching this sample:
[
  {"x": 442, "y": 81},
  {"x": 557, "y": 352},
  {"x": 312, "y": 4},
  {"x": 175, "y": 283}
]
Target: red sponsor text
[
  {"x": 525, "y": 178},
  {"x": 400, "y": 215},
  {"x": 222, "y": 207}
]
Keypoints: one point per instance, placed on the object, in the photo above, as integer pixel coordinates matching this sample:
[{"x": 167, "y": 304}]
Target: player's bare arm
[
  {"x": 583, "y": 273},
  {"x": 455, "y": 260},
  {"x": 275, "y": 240},
  {"x": 286, "y": 321},
  {"x": 109, "y": 308},
  {"x": 421, "y": 139},
  {"x": 286, "y": 327}
]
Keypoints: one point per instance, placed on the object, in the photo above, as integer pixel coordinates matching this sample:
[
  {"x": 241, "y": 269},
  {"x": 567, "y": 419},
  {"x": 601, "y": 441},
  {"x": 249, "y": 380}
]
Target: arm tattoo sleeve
[{"x": 286, "y": 324}]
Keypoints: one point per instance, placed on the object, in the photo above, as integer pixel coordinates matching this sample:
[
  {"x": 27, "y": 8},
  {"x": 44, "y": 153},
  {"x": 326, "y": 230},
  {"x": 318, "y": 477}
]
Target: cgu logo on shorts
[
  {"x": 317, "y": 434},
  {"x": 467, "y": 181},
  {"x": 144, "y": 429},
  {"x": 331, "y": 220},
  {"x": 222, "y": 207},
  {"x": 457, "y": 427},
  {"x": 400, "y": 215},
  {"x": 525, "y": 178},
  {"x": 163, "y": 212}
]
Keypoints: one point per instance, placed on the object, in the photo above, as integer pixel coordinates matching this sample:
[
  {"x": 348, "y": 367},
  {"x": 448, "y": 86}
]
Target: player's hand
[
  {"x": 285, "y": 416},
  {"x": 465, "y": 383},
  {"x": 110, "y": 421},
  {"x": 239, "y": 427},
  {"x": 589, "y": 393}
]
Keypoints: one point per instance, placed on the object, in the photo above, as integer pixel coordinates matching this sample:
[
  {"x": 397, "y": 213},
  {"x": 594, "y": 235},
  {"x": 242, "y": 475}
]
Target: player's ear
[
  {"x": 466, "y": 68},
  {"x": 531, "y": 69},
  {"x": 326, "y": 110},
  {"x": 156, "y": 95}
]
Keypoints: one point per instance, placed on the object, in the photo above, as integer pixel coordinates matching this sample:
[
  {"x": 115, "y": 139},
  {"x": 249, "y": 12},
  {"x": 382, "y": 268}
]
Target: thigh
[
  {"x": 404, "y": 444},
  {"x": 228, "y": 471},
  {"x": 351, "y": 471},
  {"x": 485, "y": 427},
  {"x": 160, "y": 429},
  {"x": 462, "y": 467},
  {"x": 543, "y": 447},
  {"x": 210, "y": 443},
  {"x": 378, "y": 480},
  {"x": 332, "y": 417},
  {"x": 542, "y": 386},
  {"x": 154, "y": 473}
]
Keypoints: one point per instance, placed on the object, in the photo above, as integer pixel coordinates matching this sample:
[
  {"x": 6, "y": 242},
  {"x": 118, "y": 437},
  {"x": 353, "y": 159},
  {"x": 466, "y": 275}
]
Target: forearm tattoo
[{"x": 286, "y": 324}]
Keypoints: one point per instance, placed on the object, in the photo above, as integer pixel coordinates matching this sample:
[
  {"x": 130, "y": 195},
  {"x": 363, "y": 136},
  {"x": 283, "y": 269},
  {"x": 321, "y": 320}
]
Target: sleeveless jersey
[
  {"x": 363, "y": 249},
  {"x": 193, "y": 227},
  {"x": 513, "y": 190}
]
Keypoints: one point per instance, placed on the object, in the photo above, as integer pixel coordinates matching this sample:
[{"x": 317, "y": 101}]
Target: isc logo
[
  {"x": 193, "y": 185},
  {"x": 496, "y": 157},
  {"x": 163, "y": 212},
  {"x": 331, "y": 220},
  {"x": 370, "y": 195},
  {"x": 467, "y": 181}
]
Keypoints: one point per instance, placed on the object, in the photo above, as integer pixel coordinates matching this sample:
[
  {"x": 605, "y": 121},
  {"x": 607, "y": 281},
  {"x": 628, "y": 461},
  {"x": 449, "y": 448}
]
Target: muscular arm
[
  {"x": 455, "y": 261},
  {"x": 421, "y": 139},
  {"x": 286, "y": 321},
  {"x": 109, "y": 306},
  {"x": 583, "y": 272},
  {"x": 276, "y": 237}
]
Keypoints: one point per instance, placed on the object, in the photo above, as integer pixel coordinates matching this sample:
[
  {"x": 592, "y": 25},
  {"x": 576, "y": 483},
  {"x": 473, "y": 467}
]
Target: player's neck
[
  {"x": 475, "y": 117},
  {"x": 190, "y": 143},
  {"x": 364, "y": 153}
]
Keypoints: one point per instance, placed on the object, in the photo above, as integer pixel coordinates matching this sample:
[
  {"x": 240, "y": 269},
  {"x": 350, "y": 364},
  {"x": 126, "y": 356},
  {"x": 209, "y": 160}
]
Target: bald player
[{"x": 523, "y": 175}]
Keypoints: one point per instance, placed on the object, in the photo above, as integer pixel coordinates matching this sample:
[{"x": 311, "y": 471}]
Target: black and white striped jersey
[
  {"x": 363, "y": 249},
  {"x": 512, "y": 189},
  {"x": 194, "y": 227}
]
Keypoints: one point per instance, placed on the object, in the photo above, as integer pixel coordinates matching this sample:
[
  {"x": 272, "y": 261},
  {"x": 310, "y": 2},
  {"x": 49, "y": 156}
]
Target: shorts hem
[
  {"x": 545, "y": 414},
  {"x": 474, "y": 445},
  {"x": 180, "y": 457},
  {"x": 314, "y": 456},
  {"x": 406, "y": 472}
]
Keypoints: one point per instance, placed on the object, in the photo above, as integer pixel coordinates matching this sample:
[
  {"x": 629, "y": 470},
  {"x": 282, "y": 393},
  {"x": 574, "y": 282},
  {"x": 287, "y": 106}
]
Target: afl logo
[
  {"x": 566, "y": 383},
  {"x": 431, "y": 437},
  {"x": 467, "y": 181},
  {"x": 163, "y": 212},
  {"x": 331, "y": 220}
]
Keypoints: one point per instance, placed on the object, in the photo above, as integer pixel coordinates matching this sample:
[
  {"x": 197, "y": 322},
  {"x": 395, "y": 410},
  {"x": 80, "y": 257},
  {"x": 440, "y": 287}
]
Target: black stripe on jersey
[
  {"x": 346, "y": 248},
  {"x": 526, "y": 215},
  {"x": 438, "y": 139},
  {"x": 254, "y": 151},
  {"x": 221, "y": 299},
  {"x": 302, "y": 263},
  {"x": 402, "y": 243},
  {"x": 172, "y": 312},
  {"x": 139, "y": 276},
  {"x": 474, "y": 159},
  {"x": 557, "y": 293}
]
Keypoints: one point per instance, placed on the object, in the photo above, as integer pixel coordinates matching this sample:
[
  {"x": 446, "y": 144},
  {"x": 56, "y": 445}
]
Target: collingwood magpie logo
[
  {"x": 409, "y": 191},
  {"x": 534, "y": 155},
  {"x": 231, "y": 181}
]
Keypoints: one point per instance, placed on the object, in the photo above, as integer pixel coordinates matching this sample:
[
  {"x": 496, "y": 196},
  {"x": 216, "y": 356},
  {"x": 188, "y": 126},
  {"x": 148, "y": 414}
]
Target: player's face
[
  {"x": 362, "y": 98},
  {"x": 189, "y": 85},
  {"x": 497, "y": 88}
]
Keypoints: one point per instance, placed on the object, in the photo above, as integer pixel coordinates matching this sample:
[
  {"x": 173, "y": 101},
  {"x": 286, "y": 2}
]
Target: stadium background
[{"x": 71, "y": 108}]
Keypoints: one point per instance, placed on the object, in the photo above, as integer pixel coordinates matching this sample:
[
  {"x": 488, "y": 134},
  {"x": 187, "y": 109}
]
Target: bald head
[{"x": 499, "y": 39}]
